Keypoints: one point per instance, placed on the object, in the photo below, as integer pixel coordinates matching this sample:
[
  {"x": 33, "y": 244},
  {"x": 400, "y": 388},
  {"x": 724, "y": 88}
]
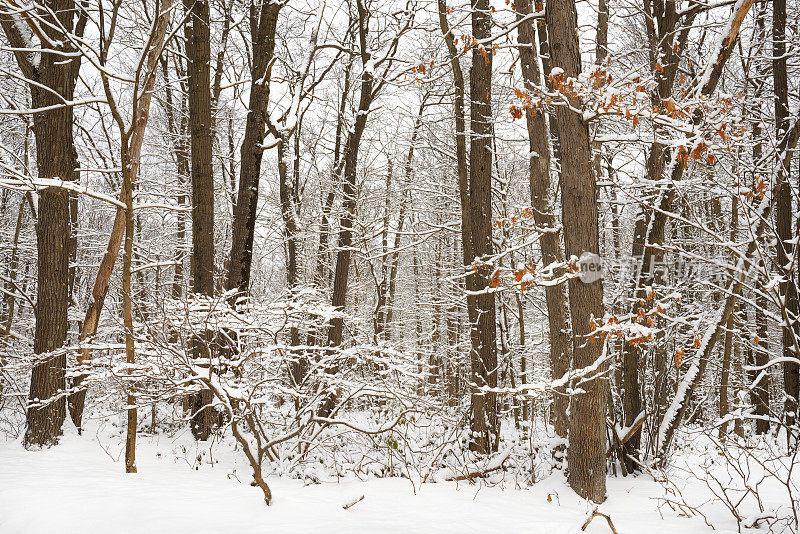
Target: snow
[{"x": 82, "y": 486}]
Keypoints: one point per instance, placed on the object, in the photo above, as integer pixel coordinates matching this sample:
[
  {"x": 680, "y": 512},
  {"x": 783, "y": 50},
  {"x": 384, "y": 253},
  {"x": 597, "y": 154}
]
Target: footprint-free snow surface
[{"x": 80, "y": 486}]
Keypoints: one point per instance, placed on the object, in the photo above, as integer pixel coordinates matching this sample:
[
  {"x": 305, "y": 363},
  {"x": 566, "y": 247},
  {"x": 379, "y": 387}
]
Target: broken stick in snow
[
  {"x": 595, "y": 513},
  {"x": 352, "y": 503}
]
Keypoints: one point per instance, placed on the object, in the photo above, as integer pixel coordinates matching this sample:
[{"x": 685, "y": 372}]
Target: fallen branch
[
  {"x": 496, "y": 464},
  {"x": 352, "y": 503},
  {"x": 595, "y": 513}
]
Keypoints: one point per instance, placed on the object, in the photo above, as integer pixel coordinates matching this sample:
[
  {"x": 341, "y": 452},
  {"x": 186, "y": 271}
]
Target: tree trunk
[
  {"x": 345, "y": 239},
  {"x": 287, "y": 190},
  {"x": 262, "y": 28},
  {"x": 198, "y": 67},
  {"x": 135, "y": 141},
  {"x": 758, "y": 355},
  {"x": 52, "y": 81},
  {"x": 544, "y": 217},
  {"x": 483, "y": 356},
  {"x": 724, "y": 406},
  {"x": 587, "y": 428},
  {"x": 785, "y": 253},
  {"x": 350, "y": 160},
  {"x": 127, "y": 309}
]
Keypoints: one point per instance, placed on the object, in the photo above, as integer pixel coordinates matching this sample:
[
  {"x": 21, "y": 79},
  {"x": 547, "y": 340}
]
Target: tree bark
[
  {"x": 483, "y": 356},
  {"x": 544, "y": 217},
  {"x": 51, "y": 82},
  {"x": 127, "y": 309},
  {"x": 198, "y": 68},
  {"x": 587, "y": 427},
  {"x": 263, "y": 24},
  {"x": 785, "y": 249}
]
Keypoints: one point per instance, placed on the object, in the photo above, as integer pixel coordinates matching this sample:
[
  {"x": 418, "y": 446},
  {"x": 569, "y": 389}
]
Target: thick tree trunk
[
  {"x": 198, "y": 67},
  {"x": 544, "y": 217},
  {"x": 587, "y": 429},
  {"x": 483, "y": 356},
  {"x": 263, "y": 24},
  {"x": 52, "y": 82}
]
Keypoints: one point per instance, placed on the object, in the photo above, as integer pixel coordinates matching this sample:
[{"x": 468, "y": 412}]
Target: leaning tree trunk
[
  {"x": 135, "y": 140},
  {"x": 587, "y": 426}
]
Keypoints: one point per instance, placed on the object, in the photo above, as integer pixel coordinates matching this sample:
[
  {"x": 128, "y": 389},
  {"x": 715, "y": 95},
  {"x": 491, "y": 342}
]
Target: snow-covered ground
[{"x": 80, "y": 486}]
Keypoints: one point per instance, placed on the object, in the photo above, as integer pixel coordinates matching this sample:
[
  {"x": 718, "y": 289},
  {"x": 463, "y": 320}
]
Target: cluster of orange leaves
[
  {"x": 421, "y": 68},
  {"x": 761, "y": 188},
  {"x": 680, "y": 353},
  {"x": 467, "y": 41},
  {"x": 526, "y": 103},
  {"x": 699, "y": 152}
]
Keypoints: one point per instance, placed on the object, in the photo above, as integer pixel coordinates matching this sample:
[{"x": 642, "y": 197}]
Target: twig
[
  {"x": 352, "y": 503},
  {"x": 595, "y": 513}
]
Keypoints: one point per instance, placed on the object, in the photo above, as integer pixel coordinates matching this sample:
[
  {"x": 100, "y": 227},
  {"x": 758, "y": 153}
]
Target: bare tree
[
  {"x": 263, "y": 24},
  {"x": 587, "y": 436},
  {"x": 51, "y": 69}
]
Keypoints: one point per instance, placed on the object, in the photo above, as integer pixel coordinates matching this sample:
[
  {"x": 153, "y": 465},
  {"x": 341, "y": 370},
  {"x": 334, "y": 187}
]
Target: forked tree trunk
[
  {"x": 665, "y": 46},
  {"x": 135, "y": 139},
  {"x": 587, "y": 427},
  {"x": 263, "y": 23},
  {"x": 544, "y": 217}
]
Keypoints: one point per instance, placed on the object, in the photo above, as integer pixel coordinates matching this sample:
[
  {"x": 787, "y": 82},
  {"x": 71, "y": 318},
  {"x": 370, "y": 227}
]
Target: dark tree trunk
[
  {"x": 462, "y": 169},
  {"x": 287, "y": 190},
  {"x": 198, "y": 52},
  {"x": 784, "y": 214},
  {"x": 483, "y": 356},
  {"x": 758, "y": 355},
  {"x": 345, "y": 239},
  {"x": 587, "y": 427},
  {"x": 544, "y": 217},
  {"x": 263, "y": 24},
  {"x": 52, "y": 82}
]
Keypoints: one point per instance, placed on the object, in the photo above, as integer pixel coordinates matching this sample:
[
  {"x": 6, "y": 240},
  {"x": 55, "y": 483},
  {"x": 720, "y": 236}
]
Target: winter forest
[{"x": 399, "y": 266}]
